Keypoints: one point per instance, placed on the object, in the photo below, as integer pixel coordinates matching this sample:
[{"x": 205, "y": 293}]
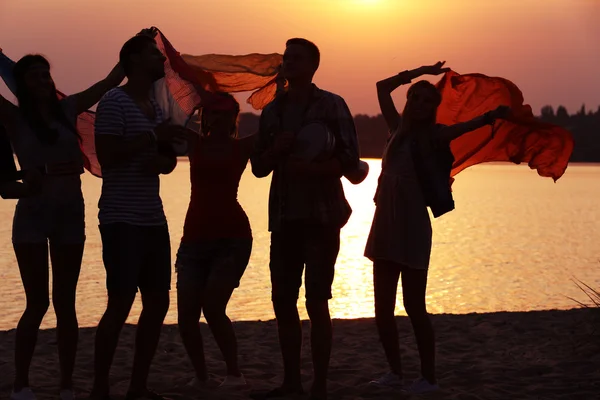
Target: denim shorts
[
  {"x": 38, "y": 222},
  {"x": 223, "y": 260}
]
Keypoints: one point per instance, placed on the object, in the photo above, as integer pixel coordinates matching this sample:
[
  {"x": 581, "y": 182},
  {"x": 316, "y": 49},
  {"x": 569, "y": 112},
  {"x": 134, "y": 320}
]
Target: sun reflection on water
[{"x": 513, "y": 243}]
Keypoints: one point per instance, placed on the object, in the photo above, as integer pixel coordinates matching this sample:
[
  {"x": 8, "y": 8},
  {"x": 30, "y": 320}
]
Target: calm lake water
[{"x": 514, "y": 243}]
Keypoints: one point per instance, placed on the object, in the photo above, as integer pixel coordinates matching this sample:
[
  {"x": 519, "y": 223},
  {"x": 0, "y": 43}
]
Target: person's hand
[
  {"x": 501, "y": 112},
  {"x": 166, "y": 131},
  {"x": 283, "y": 143},
  {"x": 435, "y": 69},
  {"x": 163, "y": 162},
  {"x": 33, "y": 179},
  {"x": 159, "y": 164},
  {"x": 280, "y": 80},
  {"x": 191, "y": 135},
  {"x": 150, "y": 32},
  {"x": 359, "y": 174}
]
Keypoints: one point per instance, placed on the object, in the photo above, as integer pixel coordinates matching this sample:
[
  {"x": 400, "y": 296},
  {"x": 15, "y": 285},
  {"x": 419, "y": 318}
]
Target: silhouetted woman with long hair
[
  {"x": 43, "y": 134},
  {"x": 415, "y": 174},
  {"x": 217, "y": 238}
]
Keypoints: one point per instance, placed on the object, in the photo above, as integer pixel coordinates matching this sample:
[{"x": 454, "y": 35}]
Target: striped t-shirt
[{"x": 129, "y": 194}]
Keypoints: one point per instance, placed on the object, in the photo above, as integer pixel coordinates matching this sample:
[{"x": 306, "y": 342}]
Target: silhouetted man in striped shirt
[{"x": 135, "y": 237}]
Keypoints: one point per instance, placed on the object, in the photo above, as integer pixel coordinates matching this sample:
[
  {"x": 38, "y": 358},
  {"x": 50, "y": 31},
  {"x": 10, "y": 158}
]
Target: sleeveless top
[
  {"x": 32, "y": 153},
  {"x": 214, "y": 211}
]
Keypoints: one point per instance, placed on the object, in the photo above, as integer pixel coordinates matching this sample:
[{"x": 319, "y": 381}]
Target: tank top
[
  {"x": 58, "y": 188},
  {"x": 214, "y": 211}
]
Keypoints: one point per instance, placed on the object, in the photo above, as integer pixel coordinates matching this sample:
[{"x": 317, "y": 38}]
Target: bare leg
[
  {"x": 414, "y": 286},
  {"x": 217, "y": 297},
  {"x": 290, "y": 341},
  {"x": 286, "y": 265},
  {"x": 66, "y": 265},
  {"x": 189, "y": 308},
  {"x": 156, "y": 306},
  {"x": 107, "y": 338},
  {"x": 321, "y": 247},
  {"x": 321, "y": 340},
  {"x": 33, "y": 266},
  {"x": 385, "y": 281}
]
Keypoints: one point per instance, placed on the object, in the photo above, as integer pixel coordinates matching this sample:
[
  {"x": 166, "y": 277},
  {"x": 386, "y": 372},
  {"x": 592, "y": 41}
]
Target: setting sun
[
  {"x": 363, "y": 5},
  {"x": 366, "y": 4}
]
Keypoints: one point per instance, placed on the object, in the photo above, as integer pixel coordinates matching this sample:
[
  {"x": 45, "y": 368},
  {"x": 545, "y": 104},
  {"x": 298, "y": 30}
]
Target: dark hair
[
  {"x": 426, "y": 85},
  {"x": 204, "y": 129},
  {"x": 27, "y": 105},
  {"x": 312, "y": 48},
  {"x": 135, "y": 45}
]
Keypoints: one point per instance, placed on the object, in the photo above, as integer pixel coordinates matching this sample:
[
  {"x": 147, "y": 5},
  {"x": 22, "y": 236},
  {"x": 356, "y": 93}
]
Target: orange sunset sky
[{"x": 549, "y": 48}]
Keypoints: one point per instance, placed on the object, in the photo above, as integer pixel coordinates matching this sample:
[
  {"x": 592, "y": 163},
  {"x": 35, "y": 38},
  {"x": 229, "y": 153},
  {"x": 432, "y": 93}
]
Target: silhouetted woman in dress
[{"x": 415, "y": 174}]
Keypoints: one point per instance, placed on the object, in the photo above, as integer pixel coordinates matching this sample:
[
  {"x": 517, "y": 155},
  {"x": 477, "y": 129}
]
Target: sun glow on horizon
[
  {"x": 366, "y": 4},
  {"x": 361, "y": 41},
  {"x": 375, "y": 11}
]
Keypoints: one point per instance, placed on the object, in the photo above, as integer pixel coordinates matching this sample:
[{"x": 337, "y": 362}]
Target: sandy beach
[{"x": 523, "y": 355}]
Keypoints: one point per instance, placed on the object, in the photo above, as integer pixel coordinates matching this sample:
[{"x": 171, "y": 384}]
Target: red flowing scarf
[
  {"x": 521, "y": 138},
  {"x": 177, "y": 92}
]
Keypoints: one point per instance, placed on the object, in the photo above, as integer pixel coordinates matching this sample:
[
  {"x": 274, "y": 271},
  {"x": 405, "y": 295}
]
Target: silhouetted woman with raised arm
[
  {"x": 415, "y": 174},
  {"x": 42, "y": 131}
]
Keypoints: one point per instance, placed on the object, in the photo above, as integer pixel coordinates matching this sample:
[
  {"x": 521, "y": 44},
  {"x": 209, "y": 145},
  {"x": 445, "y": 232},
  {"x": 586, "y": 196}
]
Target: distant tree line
[
  {"x": 585, "y": 127},
  {"x": 372, "y": 131}
]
